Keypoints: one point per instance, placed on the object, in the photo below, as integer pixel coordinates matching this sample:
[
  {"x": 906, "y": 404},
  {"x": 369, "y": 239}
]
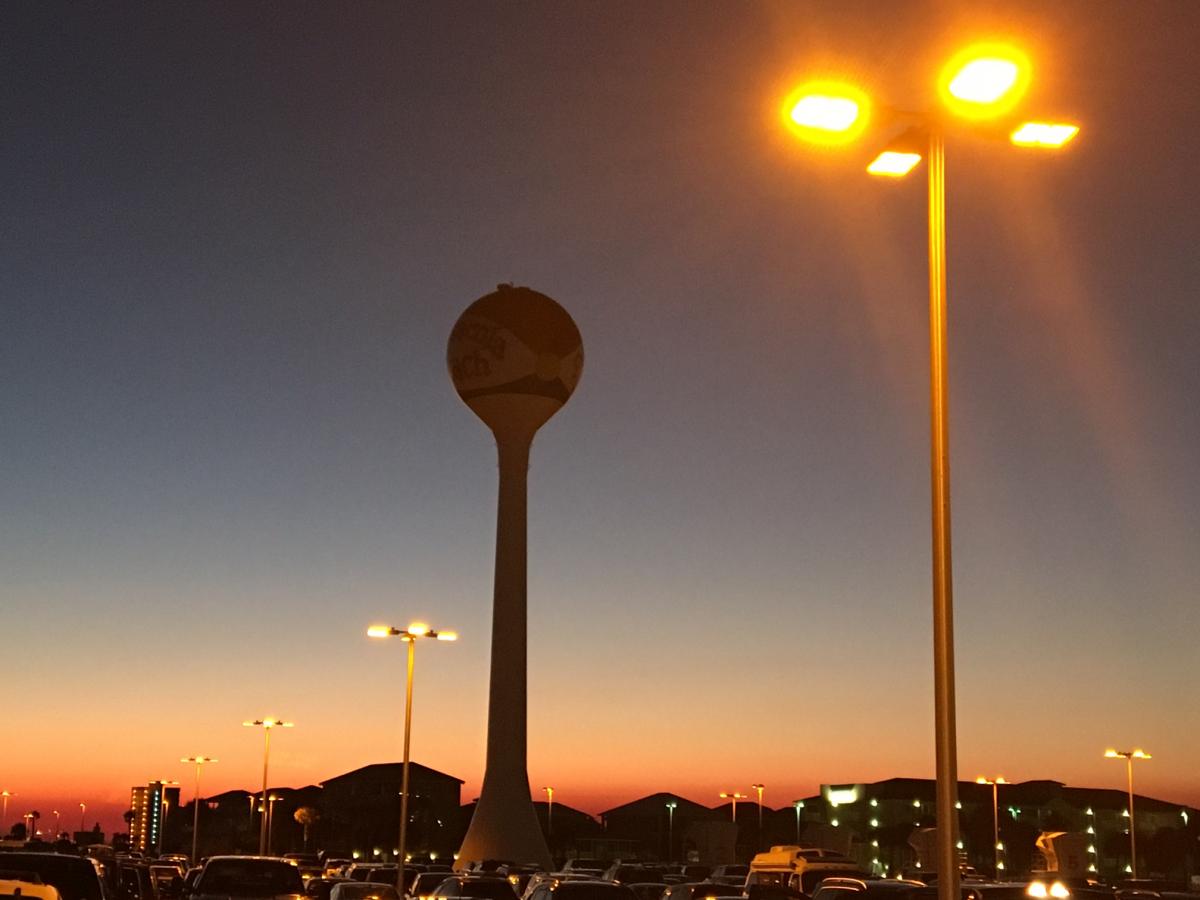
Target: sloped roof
[
  {"x": 380, "y": 770},
  {"x": 658, "y": 801}
]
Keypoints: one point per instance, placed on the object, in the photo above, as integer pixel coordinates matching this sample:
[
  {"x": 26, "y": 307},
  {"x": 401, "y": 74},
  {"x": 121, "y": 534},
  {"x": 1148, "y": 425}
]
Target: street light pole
[
  {"x": 1129, "y": 756},
  {"x": 199, "y": 761},
  {"x": 550, "y": 817},
  {"x": 671, "y": 804},
  {"x": 759, "y": 788},
  {"x": 995, "y": 783},
  {"x": 945, "y": 741},
  {"x": 4, "y": 815},
  {"x": 266, "y": 725},
  {"x": 82, "y": 813},
  {"x": 798, "y": 805},
  {"x": 733, "y": 796},
  {"x": 409, "y": 636},
  {"x": 984, "y": 81},
  {"x": 271, "y": 801}
]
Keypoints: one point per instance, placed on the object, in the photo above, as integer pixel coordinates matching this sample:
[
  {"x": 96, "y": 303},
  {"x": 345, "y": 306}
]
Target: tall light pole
[
  {"x": 759, "y": 788},
  {"x": 199, "y": 761},
  {"x": 271, "y": 801},
  {"x": 266, "y": 725},
  {"x": 4, "y": 795},
  {"x": 550, "y": 817},
  {"x": 733, "y": 797},
  {"x": 995, "y": 782},
  {"x": 982, "y": 83},
  {"x": 82, "y": 813},
  {"x": 671, "y": 805},
  {"x": 409, "y": 636},
  {"x": 798, "y": 805},
  {"x": 57, "y": 824},
  {"x": 1129, "y": 756}
]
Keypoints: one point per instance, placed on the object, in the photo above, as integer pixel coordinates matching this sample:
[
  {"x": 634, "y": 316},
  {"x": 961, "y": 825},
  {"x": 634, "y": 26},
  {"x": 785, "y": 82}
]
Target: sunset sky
[{"x": 236, "y": 237}]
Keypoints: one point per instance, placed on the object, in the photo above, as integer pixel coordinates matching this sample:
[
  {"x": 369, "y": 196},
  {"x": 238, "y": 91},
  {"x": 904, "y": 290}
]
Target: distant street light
[
  {"x": 994, "y": 782},
  {"x": 199, "y": 761},
  {"x": 671, "y": 805},
  {"x": 409, "y": 635},
  {"x": 759, "y": 788},
  {"x": 271, "y": 801},
  {"x": 549, "y": 816},
  {"x": 4, "y": 815},
  {"x": 734, "y": 797},
  {"x": 1129, "y": 756},
  {"x": 57, "y": 824},
  {"x": 983, "y": 82},
  {"x": 82, "y": 813},
  {"x": 798, "y": 805},
  {"x": 266, "y": 725}
]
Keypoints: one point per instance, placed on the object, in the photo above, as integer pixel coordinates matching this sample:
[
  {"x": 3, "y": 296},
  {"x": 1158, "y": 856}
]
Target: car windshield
[
  {"x": 249, "y": 878},
  {"x": 75, "y": 878}
]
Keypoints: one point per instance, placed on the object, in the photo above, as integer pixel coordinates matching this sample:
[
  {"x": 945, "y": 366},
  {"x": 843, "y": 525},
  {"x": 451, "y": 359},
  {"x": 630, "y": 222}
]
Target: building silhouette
[{"x": 150, "y": 804}]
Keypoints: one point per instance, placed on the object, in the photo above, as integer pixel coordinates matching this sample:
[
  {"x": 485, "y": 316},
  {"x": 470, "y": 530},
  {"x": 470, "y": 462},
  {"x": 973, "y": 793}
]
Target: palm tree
[{"x": 307, "y": 816}]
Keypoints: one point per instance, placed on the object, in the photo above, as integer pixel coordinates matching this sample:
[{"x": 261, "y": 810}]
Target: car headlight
[
  {"x": 1059, "y": 891},
  {"x": 1037, "y": 889}
]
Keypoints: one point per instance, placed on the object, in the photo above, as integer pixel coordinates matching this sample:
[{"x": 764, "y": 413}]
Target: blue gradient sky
[{"x": 236, "y": 236}]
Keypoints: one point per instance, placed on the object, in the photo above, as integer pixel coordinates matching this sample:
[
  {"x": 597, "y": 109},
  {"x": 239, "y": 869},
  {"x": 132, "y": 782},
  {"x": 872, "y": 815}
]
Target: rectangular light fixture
[
  {"x": 1043, "y": 134},
  {"x": 893, "y": 164}
]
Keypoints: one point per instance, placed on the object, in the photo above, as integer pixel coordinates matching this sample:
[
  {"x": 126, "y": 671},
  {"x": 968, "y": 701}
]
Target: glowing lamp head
[
  {"x": 1111, "y": 753},
  {"x": 447, "y": 635},
  {"x": 984, "y": 81},
  {"x": 418, "y": 629},
  {"x": 892, "y": 164},
  {"x": 379, "y": 631},
  {"x": 826, "y": 112},
  {"x": 1140, "y": 754},
  {"x": 1050, "y": 135}
]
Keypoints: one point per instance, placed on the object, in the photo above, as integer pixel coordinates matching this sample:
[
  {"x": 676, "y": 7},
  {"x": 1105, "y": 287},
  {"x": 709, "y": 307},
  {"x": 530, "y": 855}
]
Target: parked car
[
  {"x": 319, "y": 887},
  {"x": 730, "y": 874},
  {"x": 647, "y": 890},
  {"x": 75, "y": 877},
  {"x": 842, "y": 888},
  {"x": 545, "y": 877},
  {"x": 482, "y": 887},
  {"x": 629, "y": 873},
  {"x": 422, "y": 887},
  {"x": 16, "y": 889},
  {"x": 701, "y": 890},
  {"x": 363, "y": 890},
  {"x": 583, "y": 890},
  {"x": 235, "y": 877}
]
